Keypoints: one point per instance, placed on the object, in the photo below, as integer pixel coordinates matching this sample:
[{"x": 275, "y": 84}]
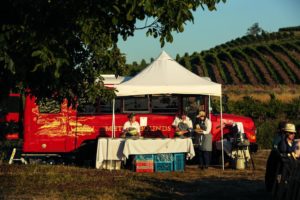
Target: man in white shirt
[
  {"x": 131, "y": 127},
  {"x": 183, "y": 125}
]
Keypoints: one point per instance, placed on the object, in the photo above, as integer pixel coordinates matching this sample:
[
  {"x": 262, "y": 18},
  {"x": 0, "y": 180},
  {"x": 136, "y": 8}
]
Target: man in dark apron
[{"x": 203, "y": 138}]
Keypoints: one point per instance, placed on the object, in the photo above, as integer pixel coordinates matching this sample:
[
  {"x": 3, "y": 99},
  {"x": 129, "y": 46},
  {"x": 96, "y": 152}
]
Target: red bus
[{"x": 57, "y": 128}]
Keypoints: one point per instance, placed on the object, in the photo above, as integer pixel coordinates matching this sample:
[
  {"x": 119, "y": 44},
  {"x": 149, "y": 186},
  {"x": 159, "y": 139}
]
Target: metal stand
[
  {"x": 244, "y": 148},
  {"x": 12, "y": 158}
]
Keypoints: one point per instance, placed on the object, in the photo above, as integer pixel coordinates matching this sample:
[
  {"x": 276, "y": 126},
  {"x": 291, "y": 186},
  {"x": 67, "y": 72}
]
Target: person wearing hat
[
  {"x": 279, "y": 136},
  {"x": 273, "y": 160},
  {"x": 131, "y": 127},
  {"x": 203, "y": 139},
  {"x": 183, "y": 125},
  {"x": 286, "y": 146}
]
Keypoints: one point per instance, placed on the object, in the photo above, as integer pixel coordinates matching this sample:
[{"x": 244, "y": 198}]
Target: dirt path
[
  {"x": 289, "y": 63},
  {"x": 262, "y": 68},
  {"x": 217, "y": 74},
  {"x": 200, "y": 70},
  {"x": 251, "y": 77},
  {"x": 232, "y": 72}
]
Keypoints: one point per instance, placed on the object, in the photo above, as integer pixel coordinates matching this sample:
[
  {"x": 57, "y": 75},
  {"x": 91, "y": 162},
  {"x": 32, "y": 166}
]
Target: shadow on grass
[{"x": 206, "y": 188}]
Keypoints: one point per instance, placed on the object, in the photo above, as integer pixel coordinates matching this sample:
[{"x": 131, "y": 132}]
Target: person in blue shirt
[
  {"x": 286, "y": 145},
  {"x": 279, "y": 135},
  {"x": 283, "y": 143}
]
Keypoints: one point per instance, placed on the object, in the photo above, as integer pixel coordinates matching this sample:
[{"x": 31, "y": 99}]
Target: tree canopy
[
  {"x": 58, "y": 49},
  {"x": 255, "y": 30}
]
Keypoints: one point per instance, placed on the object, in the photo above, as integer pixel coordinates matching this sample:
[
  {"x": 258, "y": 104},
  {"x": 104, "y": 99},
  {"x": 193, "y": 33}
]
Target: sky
[{"x": 229, "y": 21}]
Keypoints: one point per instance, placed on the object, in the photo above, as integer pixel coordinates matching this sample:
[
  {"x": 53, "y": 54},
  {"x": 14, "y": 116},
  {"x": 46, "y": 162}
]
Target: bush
[
  {"x": 265, "y": 133},
  {"x": 266, "y": 115}
]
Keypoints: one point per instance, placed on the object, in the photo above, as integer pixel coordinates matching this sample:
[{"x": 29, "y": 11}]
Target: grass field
[
  {"x": 262, "y": 93},
  {"x": 70, "y": 182}
]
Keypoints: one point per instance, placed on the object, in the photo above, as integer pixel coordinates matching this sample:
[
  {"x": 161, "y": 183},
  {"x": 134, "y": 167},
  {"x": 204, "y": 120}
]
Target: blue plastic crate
[
  {"x": 179, "y": 161},
  {"x": 163, "y": 162},
  {"x": 144, "y": 157},
  {"x": 164, "y": 157},
  {"x": 163, "y": 166}
]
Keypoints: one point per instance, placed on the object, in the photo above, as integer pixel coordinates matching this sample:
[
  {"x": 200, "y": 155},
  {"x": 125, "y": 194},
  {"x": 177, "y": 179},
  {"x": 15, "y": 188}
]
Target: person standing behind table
[
  {"x": 203, "y": 139},
  {"x": 183, "y": 125},
  {"x": 131, "y": 127}
]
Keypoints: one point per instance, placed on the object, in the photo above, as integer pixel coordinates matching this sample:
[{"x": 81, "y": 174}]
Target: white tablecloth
[
  {"x": 109, "y": 149},
  {"x": 157, "y": 146},
  {"x": 118, "y": 149}
]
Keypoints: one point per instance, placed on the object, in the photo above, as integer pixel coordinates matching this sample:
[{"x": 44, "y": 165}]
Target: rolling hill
[
  {"x": 252, "y": 65},
  {"x": 266, "y": 59}
]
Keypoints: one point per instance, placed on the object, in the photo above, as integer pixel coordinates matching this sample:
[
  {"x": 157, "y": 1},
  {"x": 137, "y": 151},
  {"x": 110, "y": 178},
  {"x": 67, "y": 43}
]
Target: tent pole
[
  {"x": 112, "y": 130},
  {"x": 113, "y": 119},
  {"x": 221, "y": 122},
  {"x": 209, "y": 106}
]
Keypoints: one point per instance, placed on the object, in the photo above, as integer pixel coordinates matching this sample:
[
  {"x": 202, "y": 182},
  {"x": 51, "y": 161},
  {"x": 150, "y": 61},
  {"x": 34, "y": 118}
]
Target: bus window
[
  {"x": 136, "y": 104},
  {"x": 164, "y": 104},
  {"x": 106, "y": 107},
  {"x": 192, "y": 105},
  {"x": 86, "y": 108},
  {"x": 49, "y": 106},
  {"x": 98, "y": 107},
  {"x": 10, "y": 104}
]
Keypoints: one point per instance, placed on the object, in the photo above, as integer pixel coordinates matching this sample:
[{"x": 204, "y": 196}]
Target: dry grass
[
  {"x": 69, "y": 182},
  {"x": 262, "y": 93}
]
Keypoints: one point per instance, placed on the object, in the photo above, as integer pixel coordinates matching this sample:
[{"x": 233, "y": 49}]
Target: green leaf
[
  {"x": 9, "y": 64},
  {"x": 129, "y": 17},
  {"x": 116, "y": 8},
  {"x": 36, "y": 67},
  {"x": 36, "y": 53},
  {"x": 114, "y": 21},
  {"x": 181, "y": 28}
]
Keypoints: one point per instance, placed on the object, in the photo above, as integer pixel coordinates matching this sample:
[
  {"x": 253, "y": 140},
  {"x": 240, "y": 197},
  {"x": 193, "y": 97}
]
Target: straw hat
[
  {"x": 289, "y": 128},
  {"x": 201, "y": 114}
]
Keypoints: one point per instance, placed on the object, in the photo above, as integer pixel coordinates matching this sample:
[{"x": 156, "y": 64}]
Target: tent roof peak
[{"x": 164, "y": 56}]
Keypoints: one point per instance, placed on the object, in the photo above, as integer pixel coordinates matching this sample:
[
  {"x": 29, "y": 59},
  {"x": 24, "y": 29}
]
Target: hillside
[{"x": 267, "y": 59}]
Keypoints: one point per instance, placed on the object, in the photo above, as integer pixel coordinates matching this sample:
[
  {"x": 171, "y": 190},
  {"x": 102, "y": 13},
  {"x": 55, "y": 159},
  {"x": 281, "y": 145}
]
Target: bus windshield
[{"x": 10, "y": 104}]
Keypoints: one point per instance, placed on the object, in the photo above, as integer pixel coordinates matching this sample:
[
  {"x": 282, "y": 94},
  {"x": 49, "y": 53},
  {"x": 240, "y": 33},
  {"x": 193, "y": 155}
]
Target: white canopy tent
[{"x": 165, "y": 76}]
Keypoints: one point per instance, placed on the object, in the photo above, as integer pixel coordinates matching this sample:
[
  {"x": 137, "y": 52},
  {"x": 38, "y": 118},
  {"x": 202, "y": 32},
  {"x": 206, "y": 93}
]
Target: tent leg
[
  {"x": 113, "y": 130},
  {"x": 209, "y": 106},
  {"x": 221, "y": 122},
  {"x": 113, "y": 134}
]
